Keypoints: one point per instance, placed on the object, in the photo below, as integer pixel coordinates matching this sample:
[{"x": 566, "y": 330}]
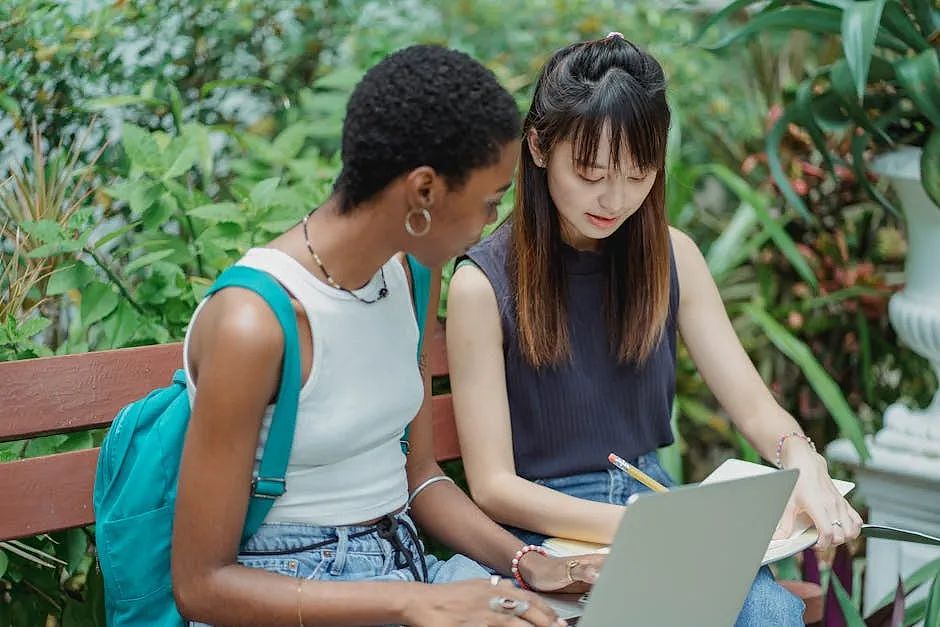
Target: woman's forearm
[
  {"x": 515, "y": 501},
  {"x": 236, "y": 595},
  {"x": 519, "y": 503},
  {"x": 445, "y": 512}
]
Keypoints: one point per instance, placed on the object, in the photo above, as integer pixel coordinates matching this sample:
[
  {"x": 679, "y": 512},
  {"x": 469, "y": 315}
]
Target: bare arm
[
  {"x": 477, "y": 374},
  {"x": 238, "y": 347},
  {"x": 735, "y": 382},
  {"x": 446, "y": 512}
]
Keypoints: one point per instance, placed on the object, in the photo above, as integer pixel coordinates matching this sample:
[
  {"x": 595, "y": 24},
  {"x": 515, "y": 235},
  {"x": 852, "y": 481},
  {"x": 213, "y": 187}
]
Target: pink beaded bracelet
[
  {"x": 515, "y": 563},
  {"x": 783, "y": 438}
]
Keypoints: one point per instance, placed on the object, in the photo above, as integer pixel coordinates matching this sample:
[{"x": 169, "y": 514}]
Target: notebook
[
  {"x": 804, "y": 535},
  {"x": 697, "y": 559}
]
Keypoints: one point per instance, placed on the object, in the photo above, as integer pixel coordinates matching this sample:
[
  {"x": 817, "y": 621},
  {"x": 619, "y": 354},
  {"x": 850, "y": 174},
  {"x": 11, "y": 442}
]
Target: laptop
[{"x": 684, "y": 557}]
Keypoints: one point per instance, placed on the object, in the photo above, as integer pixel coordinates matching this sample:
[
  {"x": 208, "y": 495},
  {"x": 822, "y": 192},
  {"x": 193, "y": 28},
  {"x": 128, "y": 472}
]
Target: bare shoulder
[
  {"x": 237, "y": 321},
  {"x": 470, "y": 288},
  {"x": 683, "y": 245}
]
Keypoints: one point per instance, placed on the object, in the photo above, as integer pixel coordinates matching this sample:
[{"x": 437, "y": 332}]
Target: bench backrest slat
[
  {"x": 75, "y": 392},
  {"x": 45, "y": 494}
]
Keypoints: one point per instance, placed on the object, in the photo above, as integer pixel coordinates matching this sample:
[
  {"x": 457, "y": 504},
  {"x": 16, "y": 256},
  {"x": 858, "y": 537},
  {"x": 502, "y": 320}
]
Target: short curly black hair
[{"x": 423, "y": 105}]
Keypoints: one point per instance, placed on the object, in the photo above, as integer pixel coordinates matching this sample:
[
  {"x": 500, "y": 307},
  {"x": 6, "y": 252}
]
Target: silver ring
[
  {"x": 495, "y": 579},
  {"x": 837, "y": 523},
  {"x": 505, "y": 605}
]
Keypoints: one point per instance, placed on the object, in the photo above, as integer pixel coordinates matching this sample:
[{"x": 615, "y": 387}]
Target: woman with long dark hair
[{"x": 562, "y": 326}]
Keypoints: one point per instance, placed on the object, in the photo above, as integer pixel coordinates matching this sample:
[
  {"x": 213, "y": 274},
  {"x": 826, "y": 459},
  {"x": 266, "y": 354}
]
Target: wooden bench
[{"x": 58, "y": 395}]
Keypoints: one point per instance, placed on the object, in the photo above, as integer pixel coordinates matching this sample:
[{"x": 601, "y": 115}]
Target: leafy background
[{"x": 149, "y": 143}]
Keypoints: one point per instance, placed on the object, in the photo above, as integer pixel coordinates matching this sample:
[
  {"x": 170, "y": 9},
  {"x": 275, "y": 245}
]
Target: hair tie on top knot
[{"x": 615, "y": 34}]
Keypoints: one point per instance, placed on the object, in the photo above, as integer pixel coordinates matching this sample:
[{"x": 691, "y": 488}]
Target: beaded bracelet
[
  {"x": 783, "y": 438},
  {"x": 518, "y": 556}
]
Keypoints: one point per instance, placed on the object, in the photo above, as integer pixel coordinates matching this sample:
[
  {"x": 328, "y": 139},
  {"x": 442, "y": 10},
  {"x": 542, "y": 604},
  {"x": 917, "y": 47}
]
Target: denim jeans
[
  {"x": 389, "y": 551},
  {"x": 768, "y": 603}
]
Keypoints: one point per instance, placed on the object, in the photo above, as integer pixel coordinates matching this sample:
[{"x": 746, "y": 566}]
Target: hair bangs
[{"x": 637, "y": 128}]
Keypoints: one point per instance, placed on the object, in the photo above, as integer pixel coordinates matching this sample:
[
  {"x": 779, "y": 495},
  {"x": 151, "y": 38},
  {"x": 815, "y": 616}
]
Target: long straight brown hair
[{"x": 583, "y": 90}]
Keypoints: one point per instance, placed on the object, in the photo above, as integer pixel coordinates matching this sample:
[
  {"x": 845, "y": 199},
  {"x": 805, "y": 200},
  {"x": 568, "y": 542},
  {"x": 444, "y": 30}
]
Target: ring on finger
[
  {"x": 568, "y": 567},
  {"x": 837, "y": 523},
  {"x": 505, "y": 605}
]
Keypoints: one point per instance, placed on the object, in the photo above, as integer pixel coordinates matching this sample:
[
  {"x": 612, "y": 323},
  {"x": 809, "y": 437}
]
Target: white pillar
[{"x": 901, "y": 481}]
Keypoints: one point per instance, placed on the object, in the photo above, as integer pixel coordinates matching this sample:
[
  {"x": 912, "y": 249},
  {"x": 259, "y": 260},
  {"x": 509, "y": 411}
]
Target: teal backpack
[{"x": 138, "y": 468}]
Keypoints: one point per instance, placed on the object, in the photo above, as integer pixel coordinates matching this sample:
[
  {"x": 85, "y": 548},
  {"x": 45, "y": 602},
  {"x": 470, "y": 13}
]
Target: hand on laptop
[
  {"x": 576, "y": 573},
  {"x": 481, "y": 604},
  {"x": 834, "y": 519}
]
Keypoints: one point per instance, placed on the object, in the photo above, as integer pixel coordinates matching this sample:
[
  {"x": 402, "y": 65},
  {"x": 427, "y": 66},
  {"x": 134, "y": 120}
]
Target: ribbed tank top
[
  {"x": 346, "y": 464},
  {"x": 566, "y": 419}
]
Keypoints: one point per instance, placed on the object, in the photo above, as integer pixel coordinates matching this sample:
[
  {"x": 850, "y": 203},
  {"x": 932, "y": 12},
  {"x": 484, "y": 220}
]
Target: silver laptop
[{"x": 684, "y": 557}]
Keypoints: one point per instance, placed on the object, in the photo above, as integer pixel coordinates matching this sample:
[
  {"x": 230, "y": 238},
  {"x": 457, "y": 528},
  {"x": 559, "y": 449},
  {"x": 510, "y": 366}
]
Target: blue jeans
[
  {"x": 767, "y": 603},
  {"x": 389, "y": 551}
]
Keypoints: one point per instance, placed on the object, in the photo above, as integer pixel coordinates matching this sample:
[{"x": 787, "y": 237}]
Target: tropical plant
[
  {"x": 896, "y": 609},
  {"x": 882, "y": 89}
]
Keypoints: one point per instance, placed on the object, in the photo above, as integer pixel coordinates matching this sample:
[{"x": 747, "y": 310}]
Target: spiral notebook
[{"x": 804, "y": 535}]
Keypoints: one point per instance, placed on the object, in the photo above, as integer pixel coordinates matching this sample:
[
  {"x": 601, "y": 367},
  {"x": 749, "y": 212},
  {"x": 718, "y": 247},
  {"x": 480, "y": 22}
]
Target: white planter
[{"x": 901, "y": 481}]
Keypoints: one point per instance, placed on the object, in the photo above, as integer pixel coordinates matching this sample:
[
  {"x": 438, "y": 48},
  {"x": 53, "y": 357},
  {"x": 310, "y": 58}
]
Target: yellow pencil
[{"x": 636, "y": 473}]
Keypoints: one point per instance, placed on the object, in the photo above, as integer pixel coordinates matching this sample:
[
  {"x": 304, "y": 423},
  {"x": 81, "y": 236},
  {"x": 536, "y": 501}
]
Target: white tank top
[{"x": 346, "y": 464}]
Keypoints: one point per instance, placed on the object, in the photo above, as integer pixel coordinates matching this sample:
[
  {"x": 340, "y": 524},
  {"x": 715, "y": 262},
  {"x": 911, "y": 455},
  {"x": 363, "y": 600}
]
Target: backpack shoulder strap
[
  {"x": 420, "y": 294},
  {"x": 268, "y": 483}
]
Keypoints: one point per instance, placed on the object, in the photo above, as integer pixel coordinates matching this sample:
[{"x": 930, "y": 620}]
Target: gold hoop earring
[{"x": 423, "y": 212}]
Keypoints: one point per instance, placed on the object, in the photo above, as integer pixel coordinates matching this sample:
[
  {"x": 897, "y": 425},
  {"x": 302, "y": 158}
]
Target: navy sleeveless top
[{"x": 566, "y": 419}]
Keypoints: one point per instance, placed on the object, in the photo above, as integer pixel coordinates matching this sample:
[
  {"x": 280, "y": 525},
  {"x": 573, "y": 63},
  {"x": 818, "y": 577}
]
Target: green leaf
[
  {"x": 159, "y": 213},
  {"x": 110, "y": 102},
  {"x": 185, "y": 156},
  {"x": 802, "y": 112},
  {"x": 759, "y": 202},
  {"x": 850, "y": 613},
  {"x": 261, "y": 193},
  {"x": 897, "y": 21},
  {"x": 59, "y": 248},
  {"x": 920, "y": 77},
  {"x": 823, "y": 384},
  {"x": 859, "y": 142},
  {"x": 146, "y": 260},
  {"x": 727, "y": 11},
  {"x": 774, "y": 140},
  {"x": 69, "y": 276},
  {"x": 76, "y": 442},
  {"x": 141, "y": 148},
  {"x": 33, "y": 327},
  {"x": 840, "y": 77},
  {"x": 47, "y": 445},
  {"x": 46, "y": 231},
  {"x": 9, "y": 104},
  {"x": 219, "y": 212},
  {"x": 4, "y": 562},
  {"x": 76, "y": 546},
  {"x": 240, "y": 82},
  {"x": 116, "y": 233},
  {"x": 122, "y": 326},
  {"x": 823, "y": 20},
  {"x": 143, "y": 196},
  {"x": 914, "y": 613},
  {"x": 927, "y": 17},
  {"x": 671, "y": 456},
  {"x": 932, "y": 614},
  {"x": 198, "y": 135},
  {"x": 289, "y": 142},
  {"x": 98, "y": 300},
  {"x": 860, "y": 24},
  {"x": 930, "y": 166}
]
